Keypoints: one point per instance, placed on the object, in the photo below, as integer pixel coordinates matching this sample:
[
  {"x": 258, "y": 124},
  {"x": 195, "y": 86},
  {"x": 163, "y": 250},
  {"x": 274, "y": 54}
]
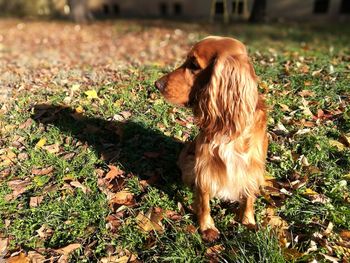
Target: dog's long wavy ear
[{"x": 227, "y": 105}]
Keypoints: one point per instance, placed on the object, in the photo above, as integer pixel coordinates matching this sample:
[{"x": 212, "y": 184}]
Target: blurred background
[{"x": 253, "y": 10}]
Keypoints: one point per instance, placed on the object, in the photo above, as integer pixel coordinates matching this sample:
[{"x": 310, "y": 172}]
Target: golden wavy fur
[{"x": 227, "y": 158}]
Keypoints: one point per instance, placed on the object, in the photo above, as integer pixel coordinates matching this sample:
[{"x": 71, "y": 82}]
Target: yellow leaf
[
  {"x": 79, "y": 109},
  {"x": 91, "y": 94},
  {"x": 337, "y": 144},
  {"x": 309, "y": 191},
  {"x": 41, "y": 143}
]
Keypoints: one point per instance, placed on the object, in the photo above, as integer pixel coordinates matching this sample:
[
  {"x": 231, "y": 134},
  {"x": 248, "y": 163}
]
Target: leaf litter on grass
[{"x": 58, "y": 181}]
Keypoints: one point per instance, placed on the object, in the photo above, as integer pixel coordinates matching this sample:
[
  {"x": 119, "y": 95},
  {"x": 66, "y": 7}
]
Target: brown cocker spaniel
[{"x": 227, "y": 158}]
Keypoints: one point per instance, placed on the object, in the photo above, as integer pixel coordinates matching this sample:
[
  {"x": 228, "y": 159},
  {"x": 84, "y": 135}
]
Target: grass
[{"x": 303, "y": 70}]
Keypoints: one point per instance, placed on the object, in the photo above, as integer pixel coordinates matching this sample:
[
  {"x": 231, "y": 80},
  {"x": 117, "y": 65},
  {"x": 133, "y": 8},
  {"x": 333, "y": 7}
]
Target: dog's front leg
[
  {"x": 206, "y": 223},
  {"x": 247, "y": 212}
]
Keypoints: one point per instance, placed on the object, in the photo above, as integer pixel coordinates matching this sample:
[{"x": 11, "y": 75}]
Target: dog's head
[{"x": 218, "y": 81}]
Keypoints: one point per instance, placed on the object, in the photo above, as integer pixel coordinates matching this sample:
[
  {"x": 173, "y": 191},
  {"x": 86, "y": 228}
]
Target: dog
[{"x": 227, "y": 158}]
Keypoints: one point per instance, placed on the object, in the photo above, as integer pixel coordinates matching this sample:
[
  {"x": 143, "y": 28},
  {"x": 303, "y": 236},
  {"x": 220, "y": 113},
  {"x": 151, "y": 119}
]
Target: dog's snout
[{"x": 160, "y": 83}]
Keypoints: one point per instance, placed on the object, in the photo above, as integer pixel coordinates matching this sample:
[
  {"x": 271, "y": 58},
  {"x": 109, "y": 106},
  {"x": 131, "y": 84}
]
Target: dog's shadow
[{"x": 138, "y": 149}]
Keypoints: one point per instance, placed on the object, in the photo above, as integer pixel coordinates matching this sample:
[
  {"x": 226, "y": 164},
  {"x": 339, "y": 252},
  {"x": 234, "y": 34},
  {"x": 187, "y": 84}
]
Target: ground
[{"x": 88, "y": 147}]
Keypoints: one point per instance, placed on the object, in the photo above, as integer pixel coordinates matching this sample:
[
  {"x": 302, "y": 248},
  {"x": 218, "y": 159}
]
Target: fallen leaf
[
  {"x": 214, "y": 250},
  {"x": 191, "y": 229},
  {"x": 41, "y": 143},
  {"x": 44, "y": 231},
  {"x": 345, "y": 234},
  {"x": 20, "y": 258},
  {"x": 7, "y": 157},
  {"x": 306, "y": 93},
  {"x": 53, "y": 148},
  {"x": 35, "y": 201},
  {"x": 284, "y": 107},
  {"x": 119, "y": 259},
  {"x": 18, "y": 187},
  {"x": 126, "y": 114},
  {"x": 113, "y": 173},
  {"x": 91, "y": 94},
  {"x": 26, "y": 124},
  {"x": 124, "y": 197},
  {"x": 35, "y": 257},
  {"x": 278, "y": 224},
  {"x": 337, "y": 144},
  {"x": 150, "y": 221},
  {"x": 42, "y": 171},
  {"x": 328, "y": 230},
  {"x": 331, "y": 259},
  {"x": 68, "y": 249},
  {"x": 315, "y": 197},
  {"x": 77, "y": 184},
  {"x": 3, "y": 246}
]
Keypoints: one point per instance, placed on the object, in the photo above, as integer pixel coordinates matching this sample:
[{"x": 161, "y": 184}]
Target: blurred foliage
[{"x": 31, "y": 7}]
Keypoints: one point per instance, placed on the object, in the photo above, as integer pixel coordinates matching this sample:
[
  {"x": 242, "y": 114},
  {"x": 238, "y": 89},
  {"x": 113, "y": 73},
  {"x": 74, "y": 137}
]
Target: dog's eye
[{"x": 193, "y": 65}]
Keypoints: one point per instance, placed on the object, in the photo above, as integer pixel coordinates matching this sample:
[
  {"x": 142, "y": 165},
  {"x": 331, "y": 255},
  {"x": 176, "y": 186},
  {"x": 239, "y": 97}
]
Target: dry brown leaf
[
  {"x": 26, "y": 124},
  {"x": 42, "y": 171},
  {"x": 3, "y": 246},
  {"x": 124, "y": 197},
  {"x": 35, "y": 257},
  {"x": 284, "y": 107},
  {"x": 315, "y": 197},
  {"x": 150, "y": 221},
  {"x": 306, "y": 93},
  {"x": 20, "y": 258},
  {"x": 190, "y": 229},
  {"x": 328, "y": 230},
  {"x": 68, "y": 249},
  {"x": 18, "y": 187},
  {"x": 35, "y": 201},
  {"x": 331, "y": 259},
  {"x": 113, "y": 173},
  {"x": 345, "y": 234},
  {"x": 52, "y": 148},
  {"x": 44, "y": 231},
  {"x": 77, "y": 184},
  {"x": 214, "y": 250},
  {"x": 7, "y": 157},
  {"x": 118, "y": 259},
  {"x": 279, "y": 225}
]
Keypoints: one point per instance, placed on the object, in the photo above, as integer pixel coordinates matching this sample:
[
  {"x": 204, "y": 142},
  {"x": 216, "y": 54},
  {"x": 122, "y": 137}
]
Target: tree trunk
[
  {"x": 79, "y": 11},
  {"x": 258, "y": 11}
]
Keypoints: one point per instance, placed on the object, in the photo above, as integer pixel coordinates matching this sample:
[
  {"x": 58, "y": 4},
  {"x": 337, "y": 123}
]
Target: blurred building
[{"x": 200, "y": 9}]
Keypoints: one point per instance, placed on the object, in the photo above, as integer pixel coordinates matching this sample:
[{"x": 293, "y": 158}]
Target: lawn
[{"x": 88, "y": 147}]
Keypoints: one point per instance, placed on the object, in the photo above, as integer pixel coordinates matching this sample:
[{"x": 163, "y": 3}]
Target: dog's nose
[{"x": 160, "y": 83}]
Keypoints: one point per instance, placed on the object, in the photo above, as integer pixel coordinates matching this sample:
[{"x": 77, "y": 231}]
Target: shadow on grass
[{"x": 140, "y": 150}]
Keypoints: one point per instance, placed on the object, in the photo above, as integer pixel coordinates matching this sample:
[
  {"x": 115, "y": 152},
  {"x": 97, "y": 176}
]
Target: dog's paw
[
  {"x": 251, "y": 226},
  {"x": 210, "y": 235}
]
